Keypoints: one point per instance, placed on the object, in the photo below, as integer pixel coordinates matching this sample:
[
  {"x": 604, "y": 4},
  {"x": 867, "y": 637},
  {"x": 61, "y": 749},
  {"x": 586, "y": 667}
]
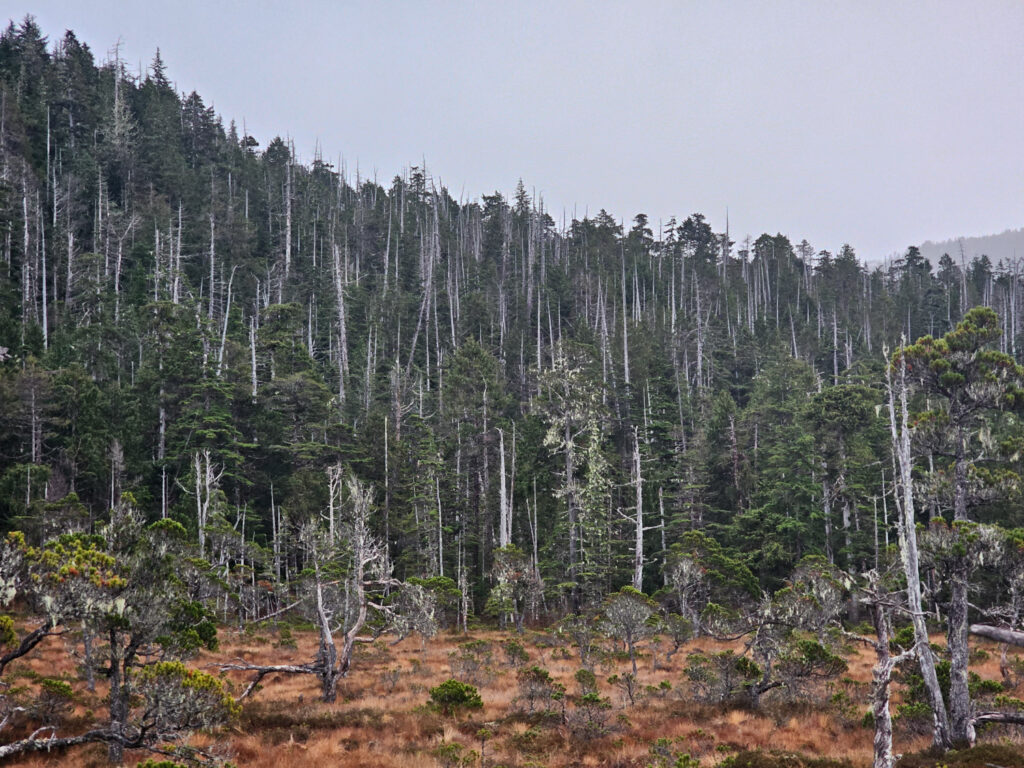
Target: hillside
[
  {"x": 237, "y": 389},
  {"x": 1006, "y": 247}
]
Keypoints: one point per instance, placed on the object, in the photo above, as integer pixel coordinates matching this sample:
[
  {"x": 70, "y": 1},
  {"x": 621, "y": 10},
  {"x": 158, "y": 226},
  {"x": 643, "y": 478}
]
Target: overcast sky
[{"x": 880, "y": 124}]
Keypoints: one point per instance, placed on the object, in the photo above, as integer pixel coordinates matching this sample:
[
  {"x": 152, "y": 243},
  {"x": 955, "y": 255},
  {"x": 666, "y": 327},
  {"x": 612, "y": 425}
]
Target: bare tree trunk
[
  {"x": 224, "y": 327},
  {"x": 339, "y": 291},
  {"x": 900, "y": 432},
  {"x": 881, "y": 677},
  {"x": 288, "y": 219},
  {"x": 638, "y": 542},
  {"x": 504, "y": 522},
  {"x": 252, "y": 353}
]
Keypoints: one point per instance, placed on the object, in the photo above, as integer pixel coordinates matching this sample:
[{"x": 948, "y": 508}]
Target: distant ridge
[{"x": 1006, "y": 245}]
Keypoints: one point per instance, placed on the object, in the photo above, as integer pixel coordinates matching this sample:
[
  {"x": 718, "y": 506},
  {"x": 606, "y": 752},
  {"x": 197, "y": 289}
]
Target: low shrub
[{"x": 453, "y": 696}]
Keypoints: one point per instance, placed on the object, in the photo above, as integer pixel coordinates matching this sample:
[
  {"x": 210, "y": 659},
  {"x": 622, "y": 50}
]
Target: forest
[{"x": 267, "y": 423}]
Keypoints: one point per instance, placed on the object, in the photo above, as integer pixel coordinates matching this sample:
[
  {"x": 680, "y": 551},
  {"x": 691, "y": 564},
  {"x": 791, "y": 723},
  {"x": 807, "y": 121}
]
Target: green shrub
[
  {"x": 472, "y": 662},
  {"x": 586, "y": 680},
  {"x": 285, "y": 639},
  {"x": 515, "y": 654},
  {"x": 451, "y": 754},
  {"x": 453, "y": 696},
  {"x": 775, "y": 759},
  {"x": 54, "y": 701},
  {"x": 8, "y": 637}
]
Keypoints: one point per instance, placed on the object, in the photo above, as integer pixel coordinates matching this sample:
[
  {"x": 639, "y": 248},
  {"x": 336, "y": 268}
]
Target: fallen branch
[{"x": 262, "y": 670}]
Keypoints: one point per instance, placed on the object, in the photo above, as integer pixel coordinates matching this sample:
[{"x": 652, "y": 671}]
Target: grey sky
[{"x": 876, "y": 123}]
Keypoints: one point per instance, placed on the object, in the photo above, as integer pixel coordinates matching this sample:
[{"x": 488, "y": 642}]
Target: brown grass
[{"x": 379, "y": 721}]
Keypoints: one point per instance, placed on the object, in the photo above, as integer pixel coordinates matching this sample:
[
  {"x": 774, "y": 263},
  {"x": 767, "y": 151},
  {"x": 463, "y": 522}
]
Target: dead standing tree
[
  {"x": 907, "y": 530},
  {"x": 349, "y": 578}
]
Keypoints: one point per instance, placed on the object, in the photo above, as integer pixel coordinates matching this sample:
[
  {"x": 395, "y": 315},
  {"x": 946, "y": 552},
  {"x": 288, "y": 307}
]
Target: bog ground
[{"x": 380, "y": 718}]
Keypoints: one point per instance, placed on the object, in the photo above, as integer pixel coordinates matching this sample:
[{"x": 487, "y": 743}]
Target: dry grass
[{"x": 379, "y": 719}]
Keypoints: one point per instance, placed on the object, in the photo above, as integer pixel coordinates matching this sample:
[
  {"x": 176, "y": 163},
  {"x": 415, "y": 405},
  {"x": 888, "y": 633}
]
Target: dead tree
[
  {"x": 349, "y": 578},
  {"x": 900, "y": 432}
]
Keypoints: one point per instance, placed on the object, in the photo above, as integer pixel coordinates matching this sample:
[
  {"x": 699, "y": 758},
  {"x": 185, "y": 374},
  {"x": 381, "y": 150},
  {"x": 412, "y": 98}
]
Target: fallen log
[{"x": 999, "y": 634}]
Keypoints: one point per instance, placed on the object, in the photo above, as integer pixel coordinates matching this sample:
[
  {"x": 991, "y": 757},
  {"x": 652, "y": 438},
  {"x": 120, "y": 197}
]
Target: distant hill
[{"x": 1006, "y": 245}]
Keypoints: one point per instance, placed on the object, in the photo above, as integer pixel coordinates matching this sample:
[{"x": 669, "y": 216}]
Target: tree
[
  {"x": 171, "y": 702},
  {"x": 516, "y": 588},
  {"x": 839, "y": 417},
  {"x": 130, "y": 586},
  {"x": 896, "y": 386},
  {"x": 347, "y": 581},
  {"x": 969, "y": 379},
  {"x": 628, "y": 618},
  {"x": 778, "y": 653},
  {"x": 571, "y": 406},
  {"x": 452, "y": 697}
]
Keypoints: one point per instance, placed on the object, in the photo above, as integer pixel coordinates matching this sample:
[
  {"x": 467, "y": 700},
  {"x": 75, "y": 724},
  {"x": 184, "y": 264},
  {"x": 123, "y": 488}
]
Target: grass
[{"x": 380, "y": 718}]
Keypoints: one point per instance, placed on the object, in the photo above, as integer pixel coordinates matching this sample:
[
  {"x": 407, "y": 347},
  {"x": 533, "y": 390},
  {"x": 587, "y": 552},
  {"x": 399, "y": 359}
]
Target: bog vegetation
[{"x": 297, "y": 464}]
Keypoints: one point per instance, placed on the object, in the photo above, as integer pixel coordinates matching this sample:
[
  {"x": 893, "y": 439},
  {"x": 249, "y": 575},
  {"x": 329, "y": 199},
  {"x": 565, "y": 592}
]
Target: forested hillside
[{"x": 277, "y": 355}]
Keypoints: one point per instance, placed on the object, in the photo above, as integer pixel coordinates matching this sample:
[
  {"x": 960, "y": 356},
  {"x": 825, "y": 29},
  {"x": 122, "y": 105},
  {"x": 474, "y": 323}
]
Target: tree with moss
[
  {"x": 629, "y": 617},
  {"x": 964, "y": 380}
]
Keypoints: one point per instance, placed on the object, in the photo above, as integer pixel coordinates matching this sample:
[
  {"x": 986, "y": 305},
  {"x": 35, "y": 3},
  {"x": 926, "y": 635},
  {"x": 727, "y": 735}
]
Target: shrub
[
  {"x": 8, "y": 637},
  {"x": 587, "y": 681},
  {"x": 390, "y": 678},
  {"x": 589, "y": 718},
  {"x": 775, "y": 759},
  {"x": 719, "y": 677},
  {"x": 451, "y": 754},
  {"x": 537, "y": 689},
  {"x": 913, "y": 717},
  {"x": 285, "y": 639},
  {"x": 472, "y": 662},
  {"x": 628, "y": 685},
  {"x": 453, "y": 696},
  {"x": 515, "y": 654},
  {"x": 54, "y": 702},
  {"x": 663, "y": 755}
]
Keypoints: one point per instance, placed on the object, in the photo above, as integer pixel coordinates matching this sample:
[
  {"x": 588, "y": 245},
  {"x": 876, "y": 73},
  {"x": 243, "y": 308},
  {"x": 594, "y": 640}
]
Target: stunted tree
[
  {"x": 170, "y": 702},
  {"x": 699, "y": 571},
  {"x": 130, "y": 587},
  {"x": 516, "y": 588},
  {"x": 778, "y": 653},
  {"x": 628, "y": 617}
]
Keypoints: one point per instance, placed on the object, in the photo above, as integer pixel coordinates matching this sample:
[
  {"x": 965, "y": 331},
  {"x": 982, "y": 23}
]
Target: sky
[{"x": 879, "y": 124}]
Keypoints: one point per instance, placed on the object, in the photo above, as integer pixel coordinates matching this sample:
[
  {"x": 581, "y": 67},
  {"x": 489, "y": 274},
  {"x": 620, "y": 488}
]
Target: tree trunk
[
  {"x": 638, "y": 543},
  {"x": 115, "y": 749},
  {"x": 956, "y": 637},
  {"x": 909, "y": 555}
]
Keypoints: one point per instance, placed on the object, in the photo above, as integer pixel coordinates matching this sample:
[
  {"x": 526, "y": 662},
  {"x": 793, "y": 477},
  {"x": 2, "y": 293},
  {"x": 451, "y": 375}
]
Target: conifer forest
[{"x": 307, "y": 467}]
